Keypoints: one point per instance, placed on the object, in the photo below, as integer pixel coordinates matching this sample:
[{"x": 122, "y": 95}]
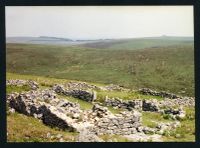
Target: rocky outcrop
[
  {"x": 86, "y": 95},
  {"x": 32, "y": 84}
]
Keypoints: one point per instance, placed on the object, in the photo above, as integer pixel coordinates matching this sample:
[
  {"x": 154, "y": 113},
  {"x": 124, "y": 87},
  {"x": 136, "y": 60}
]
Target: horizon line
[{"x": 101, "y": 38}]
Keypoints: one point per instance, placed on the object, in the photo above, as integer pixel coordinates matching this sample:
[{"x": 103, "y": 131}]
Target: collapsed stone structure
[
  {"x": 177, "y": 113},
  {"x": 32, "y": 84},
  {"x": 56, "y": 112},
  {"x": 126, "y": 104},
  {"x": 44, "y": 105},
  {"x": 85, "y": 95},
  {"x": 145, "y": 105},
  {"x": 105, "y": 122},
  {"x": 149, "y": 104}
]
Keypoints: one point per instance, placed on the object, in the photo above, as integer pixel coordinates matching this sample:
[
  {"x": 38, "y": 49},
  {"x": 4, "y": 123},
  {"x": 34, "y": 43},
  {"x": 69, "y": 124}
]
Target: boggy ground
[{"x": 37, "y": 131}]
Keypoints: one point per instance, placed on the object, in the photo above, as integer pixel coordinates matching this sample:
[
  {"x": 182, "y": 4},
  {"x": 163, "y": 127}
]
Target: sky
[{"x": 99, "y": 22}]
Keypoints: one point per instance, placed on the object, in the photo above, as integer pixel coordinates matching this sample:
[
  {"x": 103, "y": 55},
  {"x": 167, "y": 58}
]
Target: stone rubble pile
[
  {"x": 185, "y": 101},
  {"x": 86, "y": 86},
  {"x": 32, "y": 84},
  {"x": 177, "y": 113},
  {"x": 145, "y": 105},
  {"x": 127, "y": 104},
  {"x": 150, "y": 105},
  {"x": 104, "y": 122},
  {"x": 80, "y": 85},
  {"x": 86, "y": 95},
  {"x": 160, "y": 128}
]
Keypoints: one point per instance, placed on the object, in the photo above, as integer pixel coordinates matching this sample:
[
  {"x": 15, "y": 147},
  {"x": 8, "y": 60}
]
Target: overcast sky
[{"x": 93, "y": 22}]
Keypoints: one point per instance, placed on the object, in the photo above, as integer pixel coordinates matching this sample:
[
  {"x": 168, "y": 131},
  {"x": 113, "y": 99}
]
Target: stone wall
[
  {"x": 147, "y": 91},
  {"x": 153, "y": 105},
  {"x": 67, "y": 115},
  {"x": 145, "y": 105},
  {"x": 51, "y": 110},
  {"x": 86, "y": 95},
  {"x": 124, "y": 123}
]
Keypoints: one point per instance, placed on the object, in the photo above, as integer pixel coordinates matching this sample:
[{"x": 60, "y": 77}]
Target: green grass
[
  {"x": 22, "y": 128},
  {"x": 83, "y": 104},
  {"x": 151, "y": 119},
  {"x": 114, "y": 138},
  {"x": 139, "y": 43},
  {"x": 101, "y": 95},
  {"x": 185, "y": 133},
  {"x": 19, "y": 89},
  {"x": 162, "y": 68}
]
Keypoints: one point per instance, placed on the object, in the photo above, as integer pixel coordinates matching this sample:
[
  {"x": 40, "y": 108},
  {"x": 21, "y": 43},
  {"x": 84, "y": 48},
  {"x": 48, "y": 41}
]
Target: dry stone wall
[
  {"x": 164, "y": 94},
  {"x": 153, "y": 105},
  {"x": 145, "y": 105},
  {"x": 85, "y": 95},
  {"x": 45, "y": 106},
  {"x": 105, "y": 122}
]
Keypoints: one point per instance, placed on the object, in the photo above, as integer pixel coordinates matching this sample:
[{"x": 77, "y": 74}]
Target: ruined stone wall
[
  {"x": 124, "y": 123},
  {"x": 147, "y": 91},
  {"x": 145, "y": 105},
  {"x": 85, "y": 95},
  {"x": 46, "y": 107},
  {"x": 153, "y": 105}
]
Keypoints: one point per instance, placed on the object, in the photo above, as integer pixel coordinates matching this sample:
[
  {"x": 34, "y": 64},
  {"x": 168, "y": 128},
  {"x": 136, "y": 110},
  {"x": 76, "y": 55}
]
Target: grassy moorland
[{"x": 145, "y": 63}]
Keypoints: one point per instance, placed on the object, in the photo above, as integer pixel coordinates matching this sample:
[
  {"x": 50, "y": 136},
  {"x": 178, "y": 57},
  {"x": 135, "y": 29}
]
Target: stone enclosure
[{"x": 54, "y": 111}]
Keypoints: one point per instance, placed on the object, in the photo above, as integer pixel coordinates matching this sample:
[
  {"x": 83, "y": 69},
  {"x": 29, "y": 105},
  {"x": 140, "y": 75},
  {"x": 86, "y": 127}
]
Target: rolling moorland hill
[
  {"x": 162, "y": 64},
  {"x": 159, "y": 63}
]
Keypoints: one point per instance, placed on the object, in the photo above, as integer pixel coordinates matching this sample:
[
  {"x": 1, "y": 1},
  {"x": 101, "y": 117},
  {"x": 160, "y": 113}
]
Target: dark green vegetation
[{"x": 168, "y": 67}]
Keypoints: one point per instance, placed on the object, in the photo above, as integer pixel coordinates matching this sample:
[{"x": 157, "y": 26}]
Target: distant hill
[
  {"x": 141, "y": 43},
  {"x": 45, "y": 40},
  {"x": 126, "y": 43}
]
